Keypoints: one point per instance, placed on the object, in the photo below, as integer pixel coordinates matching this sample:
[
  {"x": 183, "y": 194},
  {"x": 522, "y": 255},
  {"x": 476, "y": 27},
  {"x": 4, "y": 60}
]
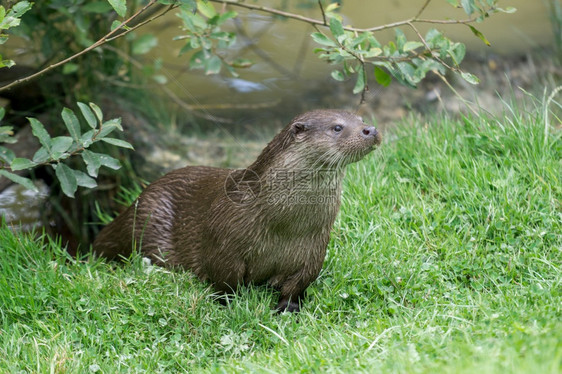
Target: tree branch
[
  {"x": 323, "y": 13},
  {"x": 105, "y": 39},
  {"x": 313, "y": 21},
  {"x": 436, "y": 57},
  {"x": 422, "y": 9}
]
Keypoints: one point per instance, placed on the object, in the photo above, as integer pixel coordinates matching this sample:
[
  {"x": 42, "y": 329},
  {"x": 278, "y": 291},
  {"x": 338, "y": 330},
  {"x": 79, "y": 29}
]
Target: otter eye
[{"x": 338, "y": 128}]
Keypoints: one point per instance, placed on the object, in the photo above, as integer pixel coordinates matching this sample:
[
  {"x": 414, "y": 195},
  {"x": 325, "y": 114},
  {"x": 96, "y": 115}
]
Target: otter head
[
  {"x": 332, "y": 138},
  {"x": 318, "y": 139}
]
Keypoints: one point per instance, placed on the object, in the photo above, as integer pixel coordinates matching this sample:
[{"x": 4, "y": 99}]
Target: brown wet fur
[{"x": 255, "y": 225}]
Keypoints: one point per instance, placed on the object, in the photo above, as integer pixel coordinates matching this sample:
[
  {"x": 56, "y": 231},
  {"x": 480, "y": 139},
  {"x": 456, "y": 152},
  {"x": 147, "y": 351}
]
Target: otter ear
[{"x": 299, "y": 127}]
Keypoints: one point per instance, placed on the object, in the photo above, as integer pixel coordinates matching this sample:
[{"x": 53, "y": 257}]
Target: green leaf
[
  {"x": 404, "y": 73},
  {"x": 92, "y": 161},
  {"x": 108, "y": 127},
  {"x": 69, "y": 68},
  {"x": 61, "y": 144},
  {"x": 186, "y": 48},
  {"x": 160, "y": 78},
  {"x": 332, "y": 7},
  {"x": 423, "y": 66},
  {"x": 213, "y": 65},
  {"x": 21, "y": 163},
  {"x": 454, "y": 3},
  {"x": 120, "y": 6},
  {"x": 468, "y": 6},
  {"x": 433, "y": 36},
  {"x": 192, "y": 22},
  {"x": 109, "y": 162},
  {"x": 373, "y": 52},
  {"x": 13, "y": 16},
  {"x": 400, "y": 39},
  {"x": 457, "y": 53},
  {"x": 360, "y": 83},
  {"x": 336, "y": 27},
  {"x": 508, "y": 10},
  {"x": 41, "y": 156},
  {"x": 470, "y": 78},
  {"x": 479, "y": 35},
  {"x": 6, "y": 63},
  {"x": 206, "y": 8},
  {"x": 389, "y": 49},
  {"x": 6, "y": 134},
  {"x": 338, "y": 75},
  {"x": 67, "y": 180},
  {"x": 241, "y": 63},
  {"x": 362, "y": 40},
  {"x": 72, "y": 123},
  {"x": 20, "y": 8},
  {"x": 27, "y": 183},
  {"x": 320, "y": 38},
  {"x": 144, "y": 44},
  {"x": 197, "y": 61},
  {"x": 6, "y": 155},
  {"x": 96, "y": 7},
  {"x": 88, "y": 115},
  {"x": 97, "y": 111},
  {"x": 39, "y": 131},
  {"x": 410, "y": 46},
  {"x": 118, "y": 142},
  {"x": 191, "y": 4},
  {"x": 86, "y": 139},
  {"x": 115, "y": 24},
  {"x": 224, "y": 17},
  {"x": 82, "y": 179},
  {"x": 382, "y": 77}
]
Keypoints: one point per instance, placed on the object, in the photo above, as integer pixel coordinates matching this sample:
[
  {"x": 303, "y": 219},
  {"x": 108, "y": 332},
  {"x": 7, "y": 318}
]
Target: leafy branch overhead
[
  {"x": 55, "y": 150},
  {"x": 206, "y": 38},
  {"x": 408, "y": 61},
  {"x": 11, "y": 18},
  {"x": 356, "y": 51}
]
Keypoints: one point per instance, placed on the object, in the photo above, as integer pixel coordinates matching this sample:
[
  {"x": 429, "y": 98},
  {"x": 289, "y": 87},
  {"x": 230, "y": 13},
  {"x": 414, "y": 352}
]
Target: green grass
[{"x": 446, "y": 258}]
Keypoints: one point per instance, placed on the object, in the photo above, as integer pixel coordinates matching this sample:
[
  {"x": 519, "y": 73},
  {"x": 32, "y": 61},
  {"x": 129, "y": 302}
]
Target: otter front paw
[{"x": 288, "y": 306}]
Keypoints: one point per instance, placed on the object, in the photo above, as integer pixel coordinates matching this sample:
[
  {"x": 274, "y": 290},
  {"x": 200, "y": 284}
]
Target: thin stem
[
  {"x": 546, "y": 106},
  {"x": 322, "y": 10},
  {"x": 148, "y": 20},
  {"x": 366, "y": 87},
  {"x": 422, "y": 9},
  {"x": 465, "y": 102}
]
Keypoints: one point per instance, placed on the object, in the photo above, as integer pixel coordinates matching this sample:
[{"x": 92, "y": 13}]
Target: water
[
  {"x": 23, "y": 208},
  {"x": 285, "y": 62}
]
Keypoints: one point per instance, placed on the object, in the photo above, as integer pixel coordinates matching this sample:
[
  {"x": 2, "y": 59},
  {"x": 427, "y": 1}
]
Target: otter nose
[{"x": 370, "y": 131}]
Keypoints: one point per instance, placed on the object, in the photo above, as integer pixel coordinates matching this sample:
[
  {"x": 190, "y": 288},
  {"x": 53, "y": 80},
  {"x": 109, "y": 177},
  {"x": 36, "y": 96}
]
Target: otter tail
[{"x": 116, "y": 240}]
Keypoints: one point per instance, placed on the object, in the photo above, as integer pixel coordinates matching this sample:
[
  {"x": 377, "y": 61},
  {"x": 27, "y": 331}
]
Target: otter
[{"x": 269, "y": 223}]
